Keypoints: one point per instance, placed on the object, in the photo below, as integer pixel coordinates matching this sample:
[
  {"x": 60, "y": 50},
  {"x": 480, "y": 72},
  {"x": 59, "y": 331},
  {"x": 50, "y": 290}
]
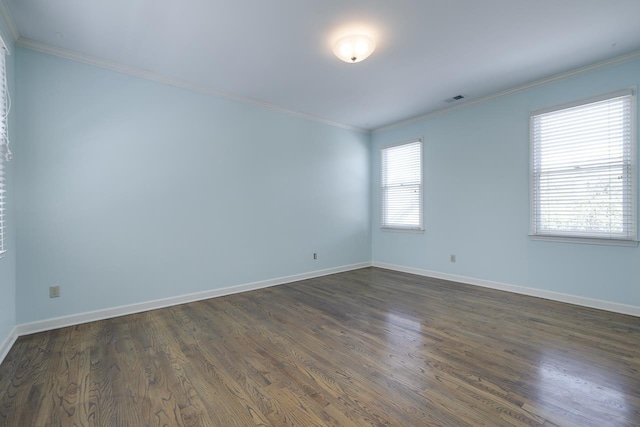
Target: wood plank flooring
[{"x": 369, "y": 347}]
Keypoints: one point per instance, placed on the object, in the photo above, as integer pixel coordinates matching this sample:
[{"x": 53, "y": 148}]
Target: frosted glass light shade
[{"x": 354, "y": 48}]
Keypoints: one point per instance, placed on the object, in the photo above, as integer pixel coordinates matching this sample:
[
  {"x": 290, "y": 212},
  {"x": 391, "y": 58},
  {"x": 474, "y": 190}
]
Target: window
[
  {"x": 402, "y": 186},
  {"x": 583, "y": 171},
  {"x": 5, "y": 153}
]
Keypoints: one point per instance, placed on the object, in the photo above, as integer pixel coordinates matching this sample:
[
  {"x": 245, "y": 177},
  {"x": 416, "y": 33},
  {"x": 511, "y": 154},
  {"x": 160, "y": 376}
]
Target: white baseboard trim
[
  {"x": 91, "y": 316},
  {"x": 8, "y": 342},
  {"x": 540, "y": 293}
]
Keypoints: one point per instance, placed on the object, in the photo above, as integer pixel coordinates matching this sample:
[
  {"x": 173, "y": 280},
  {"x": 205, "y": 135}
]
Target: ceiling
[{"x": 279, "y": 52}]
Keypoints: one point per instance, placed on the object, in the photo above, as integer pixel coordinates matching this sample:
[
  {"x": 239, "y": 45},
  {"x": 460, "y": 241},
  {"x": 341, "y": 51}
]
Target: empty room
[{"x": 319, "y": 213}]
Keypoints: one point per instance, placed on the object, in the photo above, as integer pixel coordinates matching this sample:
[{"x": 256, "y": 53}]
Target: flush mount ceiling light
[{"x": 354, "y": 48}]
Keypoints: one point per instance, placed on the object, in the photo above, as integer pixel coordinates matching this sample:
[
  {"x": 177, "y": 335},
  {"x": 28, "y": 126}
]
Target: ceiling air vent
[{"x": 455, "y": 98}]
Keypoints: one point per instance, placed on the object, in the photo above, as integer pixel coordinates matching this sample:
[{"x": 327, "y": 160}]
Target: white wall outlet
[
  {"x": 54, "y": 291},
  {"x": 452, "y": 258}
]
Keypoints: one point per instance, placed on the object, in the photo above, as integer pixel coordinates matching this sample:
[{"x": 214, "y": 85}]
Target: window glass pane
[
  {"x": 402, "y": 186},
  {"x": 582, "y": 166},
  {"x": 3, "y": 145}
]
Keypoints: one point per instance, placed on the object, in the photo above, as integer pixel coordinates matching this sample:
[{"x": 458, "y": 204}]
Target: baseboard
[
  {"x": 91, "y": 316},
  {"x": 540, "y": 293},
  {"x": 8, "y": 342}
]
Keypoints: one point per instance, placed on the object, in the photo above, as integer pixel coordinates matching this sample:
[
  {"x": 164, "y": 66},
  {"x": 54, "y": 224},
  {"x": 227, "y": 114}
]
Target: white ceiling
[{"x": 278, "y": 52}]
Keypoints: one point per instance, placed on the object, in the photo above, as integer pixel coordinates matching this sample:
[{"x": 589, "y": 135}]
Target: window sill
[
  {"x": 402, "y": 230},
  {"x": 2, "y": 253},
  {"x": 585, "y": 240}
]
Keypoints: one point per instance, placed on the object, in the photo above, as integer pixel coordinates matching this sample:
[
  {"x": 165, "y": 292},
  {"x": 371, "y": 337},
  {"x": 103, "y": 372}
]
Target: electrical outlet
[
  {"x": 452, "y": 258},
  {"x": 315, "y": 255},
  {"x": 54, "y": 291}
]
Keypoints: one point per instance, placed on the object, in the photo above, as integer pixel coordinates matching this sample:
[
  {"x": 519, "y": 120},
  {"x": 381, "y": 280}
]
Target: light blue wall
[
  {"x": 476, "y": 185},
  {"x": 8, "y": 261},
  {"x": 129, "y": 190}
]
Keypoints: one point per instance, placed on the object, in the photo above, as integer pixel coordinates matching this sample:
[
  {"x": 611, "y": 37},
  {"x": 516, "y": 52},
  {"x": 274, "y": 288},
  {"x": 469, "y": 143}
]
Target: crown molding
[
  {"x": 159, "y": 78},
  {"x": 10, "y": 24},
  {"x": 609, "y": 62}
]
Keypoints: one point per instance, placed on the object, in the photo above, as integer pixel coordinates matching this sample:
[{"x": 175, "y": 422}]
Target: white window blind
[
  {"x": 402, "y": 186},
  {"x": 4, "y": 144},
  {"x": 583, "y": 170}
]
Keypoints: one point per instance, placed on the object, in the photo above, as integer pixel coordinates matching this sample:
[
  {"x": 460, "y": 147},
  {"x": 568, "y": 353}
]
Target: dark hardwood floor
[{"x": 367, "y": 347}]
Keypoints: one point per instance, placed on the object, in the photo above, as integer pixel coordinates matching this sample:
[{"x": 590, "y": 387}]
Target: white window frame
[
  {"x": 384, "y": 223},
  {"x": 631, "y": 238}
]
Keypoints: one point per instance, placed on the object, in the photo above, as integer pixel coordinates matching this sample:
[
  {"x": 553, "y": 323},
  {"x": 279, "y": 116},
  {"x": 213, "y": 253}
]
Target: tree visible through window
[
  {"x": 583, "y": 170},
  {"x": 402, "y": 186}
]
